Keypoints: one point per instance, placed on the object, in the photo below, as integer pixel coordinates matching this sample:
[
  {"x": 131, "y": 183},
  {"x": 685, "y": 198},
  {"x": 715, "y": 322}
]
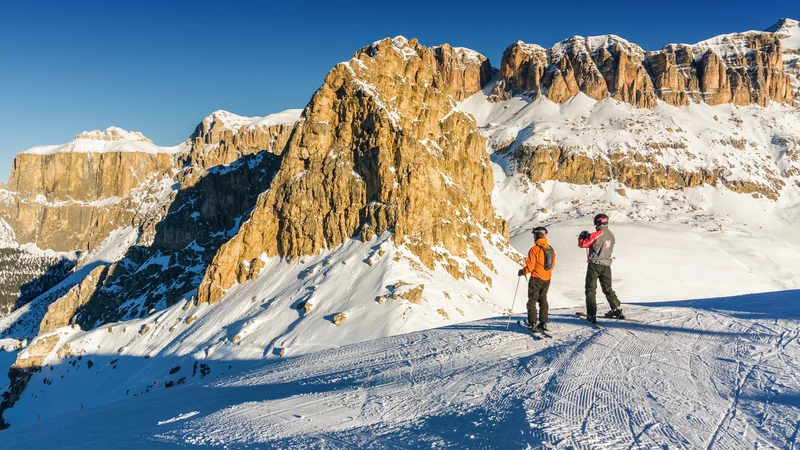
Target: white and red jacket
[{"x": 600, "y": 245}]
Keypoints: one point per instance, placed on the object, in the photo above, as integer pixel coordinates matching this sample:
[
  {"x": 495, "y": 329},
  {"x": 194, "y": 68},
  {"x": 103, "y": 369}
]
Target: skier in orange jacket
[{"x": 540, "y": 263}]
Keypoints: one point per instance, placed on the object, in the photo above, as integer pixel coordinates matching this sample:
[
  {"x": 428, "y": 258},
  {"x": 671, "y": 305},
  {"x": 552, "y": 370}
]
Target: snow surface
[{"x": 717, "y": 373}]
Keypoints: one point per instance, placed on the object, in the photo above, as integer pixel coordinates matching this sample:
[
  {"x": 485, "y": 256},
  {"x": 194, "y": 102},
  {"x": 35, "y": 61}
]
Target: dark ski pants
[
  {"x": 603, "y": 272},
  {"x": 537, "y": 293}
]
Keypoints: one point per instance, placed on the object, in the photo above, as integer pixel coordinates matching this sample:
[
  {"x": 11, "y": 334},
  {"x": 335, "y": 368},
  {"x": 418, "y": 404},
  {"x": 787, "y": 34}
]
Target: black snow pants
[
  {"x": 537, "y": 293},
  {"x": 603, "y": 272}
]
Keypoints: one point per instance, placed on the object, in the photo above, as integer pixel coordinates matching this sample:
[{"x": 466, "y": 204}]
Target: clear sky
[{"x": 160, "y": 67}]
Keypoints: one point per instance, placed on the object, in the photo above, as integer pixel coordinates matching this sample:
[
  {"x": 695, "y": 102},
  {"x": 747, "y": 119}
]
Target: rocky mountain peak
[
  {"x": 380, "y": 138},
  {"x": 113, "y": 134}
]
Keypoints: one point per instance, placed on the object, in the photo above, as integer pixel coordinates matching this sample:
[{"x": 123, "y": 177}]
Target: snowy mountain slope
[
  {"x": 746, "y": 145},
  {"x": 712, "y": 373},
  {"x": 263, "y": 319},
  {"x": 655, "y": 262}
]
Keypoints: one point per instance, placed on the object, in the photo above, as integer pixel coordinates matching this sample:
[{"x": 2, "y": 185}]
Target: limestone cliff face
[
  {"x": 73, "y": 196},
  {"x": 72, "y": 200},
  {"x": 464, "y": 71},
  {"x": 381, "y": 148},
  {"x": 633, "y": 170},
  {"x": 741, "y": 68}
]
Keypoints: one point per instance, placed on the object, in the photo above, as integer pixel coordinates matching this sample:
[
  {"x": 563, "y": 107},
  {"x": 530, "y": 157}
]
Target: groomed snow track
[{"x": 718, "y": 373}]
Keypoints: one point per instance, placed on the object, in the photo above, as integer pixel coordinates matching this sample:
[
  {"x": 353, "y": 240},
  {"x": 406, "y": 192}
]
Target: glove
[
  {"x": 521, "y": 272},
  {"x": 584, "y": 235}
]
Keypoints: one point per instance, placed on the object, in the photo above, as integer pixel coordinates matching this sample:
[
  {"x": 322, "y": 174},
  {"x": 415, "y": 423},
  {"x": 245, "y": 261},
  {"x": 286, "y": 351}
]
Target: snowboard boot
[
  {"x": 541, "y": 326},
  {"x": 615, "y": 314}
]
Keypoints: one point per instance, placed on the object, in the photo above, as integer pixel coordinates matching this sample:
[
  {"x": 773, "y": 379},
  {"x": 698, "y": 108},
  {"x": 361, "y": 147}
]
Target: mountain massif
[{"x": 378, "y": 207}]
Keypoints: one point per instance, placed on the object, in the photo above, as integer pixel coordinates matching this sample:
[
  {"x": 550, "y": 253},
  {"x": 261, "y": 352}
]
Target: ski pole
[{"x": 511, "y": 311}]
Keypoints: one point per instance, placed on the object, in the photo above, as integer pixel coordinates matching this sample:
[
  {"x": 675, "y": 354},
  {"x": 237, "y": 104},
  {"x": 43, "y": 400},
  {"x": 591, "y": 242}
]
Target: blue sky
[{"x": 160, "y": 67}]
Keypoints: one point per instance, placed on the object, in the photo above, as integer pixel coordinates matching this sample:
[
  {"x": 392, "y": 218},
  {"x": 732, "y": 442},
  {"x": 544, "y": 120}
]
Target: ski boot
[
  {"x": 592, "y": 319},
  {"x": 541, "y": 326},
  {"x": 615, "y": 314}
]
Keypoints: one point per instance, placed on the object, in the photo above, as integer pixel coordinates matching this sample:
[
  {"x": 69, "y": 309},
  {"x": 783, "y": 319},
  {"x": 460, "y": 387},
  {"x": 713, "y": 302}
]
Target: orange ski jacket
[{"x": 534, "y": 265}]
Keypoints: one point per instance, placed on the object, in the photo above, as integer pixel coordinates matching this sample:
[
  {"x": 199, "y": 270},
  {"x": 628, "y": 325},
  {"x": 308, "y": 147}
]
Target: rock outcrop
[
  {"x": 381, "y": 138},
  {"x": 740, "y": 68},
  {"x": 464, "y": 71},
  {"x": 61, "y": 312},
  {"x": 223, "y": 137}
]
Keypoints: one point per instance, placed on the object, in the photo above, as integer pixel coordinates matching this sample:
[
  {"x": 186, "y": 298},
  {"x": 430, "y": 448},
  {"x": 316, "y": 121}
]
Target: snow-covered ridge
[
  {"x": 402, "y": 47},
  {"x": 112, "y": 139},
  {"x": 230, "y": 121},
  {"x": 113, "y": 134},
  {"x": 469, "y": 55},
  {"x": 788, "y": 30},
  {"x": 738, "y": 44},
  {"x": 593, "y": 43}
]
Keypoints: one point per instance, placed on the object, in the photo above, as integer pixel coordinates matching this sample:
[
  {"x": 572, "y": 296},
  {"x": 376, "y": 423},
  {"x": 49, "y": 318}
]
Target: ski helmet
[
  {"x": 539, "y": 232},
  {"x": 600, "y": 220}
]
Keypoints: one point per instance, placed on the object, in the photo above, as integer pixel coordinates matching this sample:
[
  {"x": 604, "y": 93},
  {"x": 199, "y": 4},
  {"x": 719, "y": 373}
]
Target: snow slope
[
  {"x": 717, "y": 373},
  {"x": 263, "y": 319}
]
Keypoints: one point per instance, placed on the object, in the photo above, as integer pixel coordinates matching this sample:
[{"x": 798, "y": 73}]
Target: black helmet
[
  {"x": 600, "y": 220},
  {"x": 539, "y": 232}
]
